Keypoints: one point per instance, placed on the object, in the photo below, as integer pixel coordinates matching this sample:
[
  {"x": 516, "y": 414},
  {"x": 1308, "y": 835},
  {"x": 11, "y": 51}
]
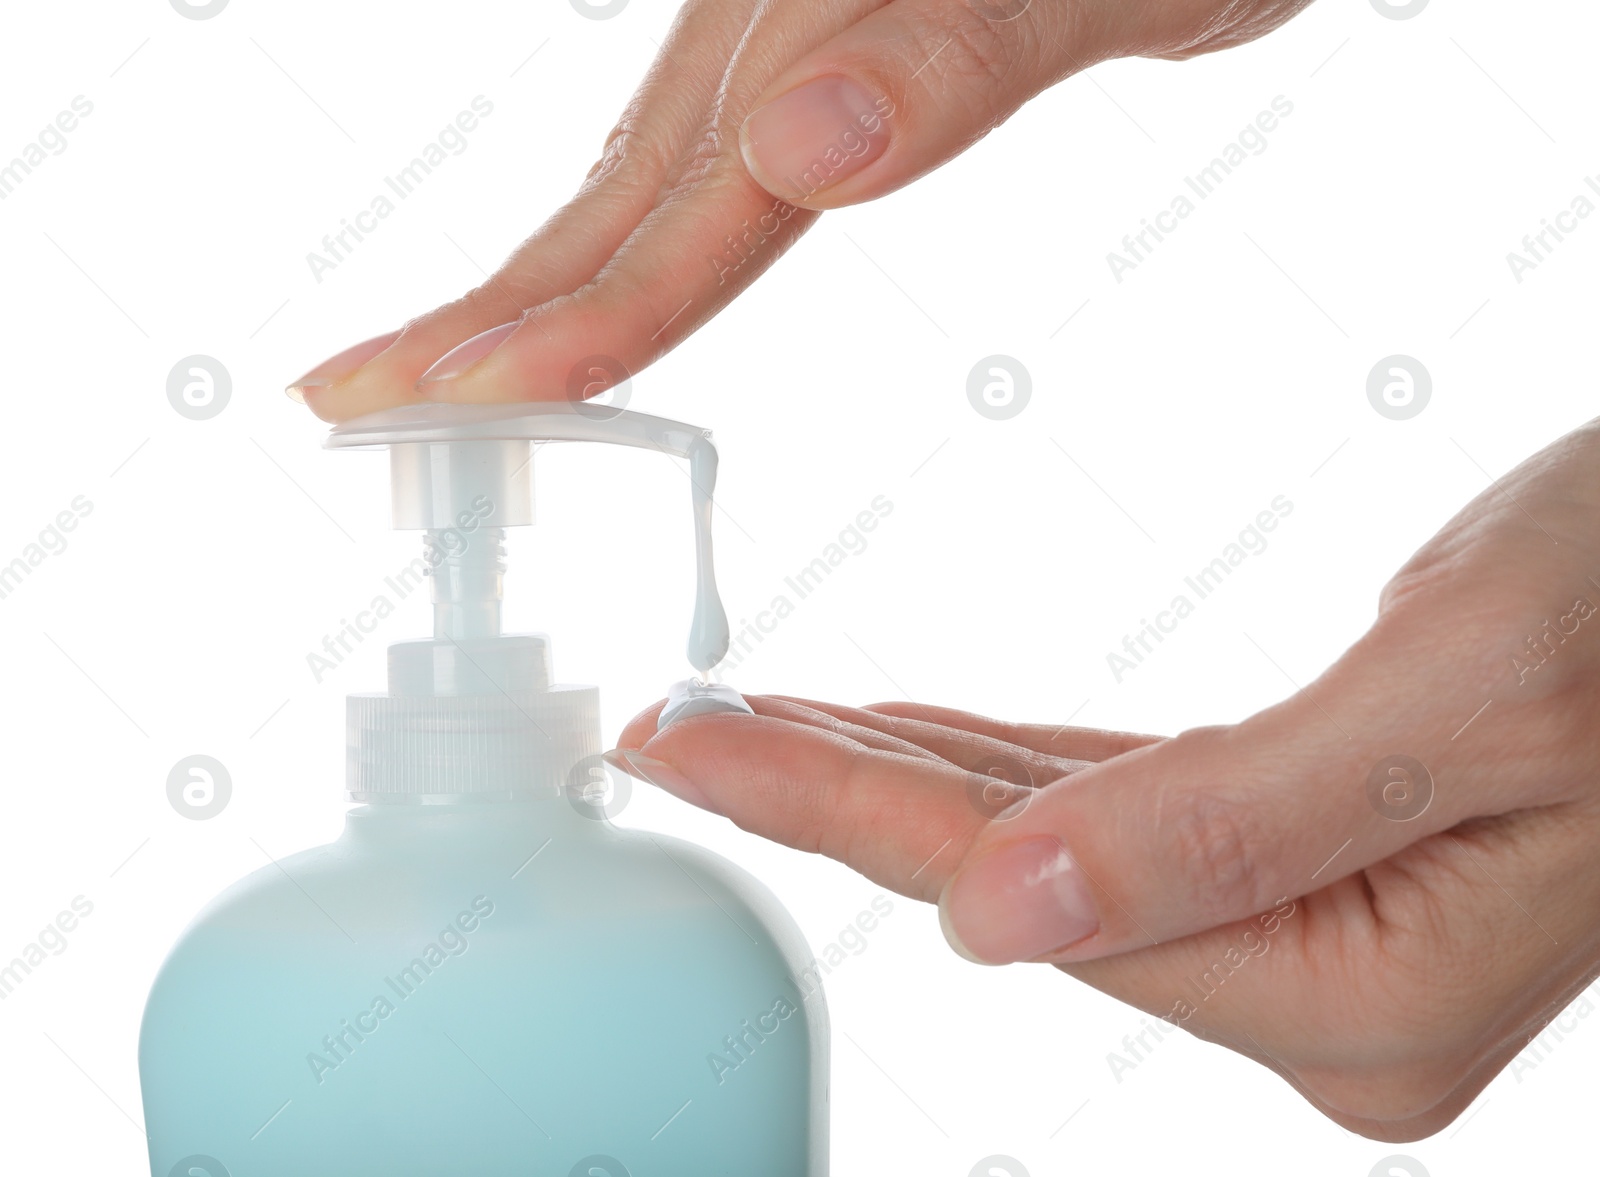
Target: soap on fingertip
[{"x": 693, "y": 697}]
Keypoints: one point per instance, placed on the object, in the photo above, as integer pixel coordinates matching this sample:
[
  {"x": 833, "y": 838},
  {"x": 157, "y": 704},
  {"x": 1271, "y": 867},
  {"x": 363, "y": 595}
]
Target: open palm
[{"x": 1381, "y": 887}]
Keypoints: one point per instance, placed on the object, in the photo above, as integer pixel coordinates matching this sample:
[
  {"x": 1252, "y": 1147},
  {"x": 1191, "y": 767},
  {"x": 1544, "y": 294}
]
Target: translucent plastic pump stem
[{"x": 468, "y": 584}]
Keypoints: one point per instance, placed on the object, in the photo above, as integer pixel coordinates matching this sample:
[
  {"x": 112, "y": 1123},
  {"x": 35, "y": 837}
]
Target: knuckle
[
  {"x": 629, "y": 156},
  {"x": 841, "y": 839},
  {"x": 637, "y": 166},
  {"x": 1217, "y": 840},
  {"x": 499, "y": 299},
  {"x": 973, "y": 49},
  {"x": 1211, "y": 28},
  {"x": 712, "y": 144},
  {"x": 808, "y": 812},
  {"x": 478, "y": 309}
]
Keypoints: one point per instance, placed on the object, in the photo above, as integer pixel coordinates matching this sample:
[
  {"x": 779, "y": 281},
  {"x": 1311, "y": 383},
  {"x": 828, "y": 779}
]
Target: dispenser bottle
[{"x": 483, "y": 975}]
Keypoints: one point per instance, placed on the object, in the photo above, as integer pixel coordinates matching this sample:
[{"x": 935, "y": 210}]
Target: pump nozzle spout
[{"x": 462, "y": 474}]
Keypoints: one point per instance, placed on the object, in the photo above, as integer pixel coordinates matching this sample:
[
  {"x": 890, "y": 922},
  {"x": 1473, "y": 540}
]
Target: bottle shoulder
[{"x": 353, "y": 889}]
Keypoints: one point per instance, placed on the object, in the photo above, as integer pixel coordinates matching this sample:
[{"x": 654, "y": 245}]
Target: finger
[
  {"x": 1020, "y": 767},
  {"x": 337, "y": 366},
  {"x": 966, "y": 749},
  {"x": 920, "y": 81},
  {"x": 642, "y": 727},
  {"x": 687, "y": 259},
  {"x": 905, "y": 89},
  {"x": 902, "y": 821},
  {"x": 1219, "y": 824},
  {"x": 712, "y": 232},
  {"x": 1070, "y": 743},
  {"x": 839, "y": 722},
  {"x": 655, "y": 131}
]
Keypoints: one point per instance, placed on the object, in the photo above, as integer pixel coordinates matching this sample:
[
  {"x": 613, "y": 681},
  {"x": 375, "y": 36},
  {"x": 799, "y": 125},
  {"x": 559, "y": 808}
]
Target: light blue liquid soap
[{"x": 483, "y": 976}]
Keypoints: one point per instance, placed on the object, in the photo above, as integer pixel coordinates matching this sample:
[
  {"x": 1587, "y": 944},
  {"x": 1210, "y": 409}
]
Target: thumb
[
  {"x": 905, "y": 89},
  {"x": 1217, "y": 824}
]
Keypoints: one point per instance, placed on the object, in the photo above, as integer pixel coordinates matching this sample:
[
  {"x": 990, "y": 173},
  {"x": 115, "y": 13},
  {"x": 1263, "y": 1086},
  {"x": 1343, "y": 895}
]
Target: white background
[{"x": 1219, "y": 374}]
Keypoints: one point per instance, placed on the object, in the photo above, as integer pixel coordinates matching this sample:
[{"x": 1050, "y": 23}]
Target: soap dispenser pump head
[
  {"x": 459, "y": 467},
  {"x": 473, "y": 710}
]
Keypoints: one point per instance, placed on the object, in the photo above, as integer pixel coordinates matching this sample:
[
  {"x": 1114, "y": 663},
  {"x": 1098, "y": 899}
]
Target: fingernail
[
  {"x": 336, "y": 368},
  {"x": 461, "y": 357},
  {"x": 1018, "y": 903},
  {"x": 655, "y": 772},
  {"x": 813, "y": 137}
]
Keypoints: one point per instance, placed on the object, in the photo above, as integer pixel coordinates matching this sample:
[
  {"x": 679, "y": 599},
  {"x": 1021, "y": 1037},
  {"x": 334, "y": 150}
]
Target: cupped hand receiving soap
[
  {"x": 1380, "y": 888},
  {"x": 756, "y": 115}
]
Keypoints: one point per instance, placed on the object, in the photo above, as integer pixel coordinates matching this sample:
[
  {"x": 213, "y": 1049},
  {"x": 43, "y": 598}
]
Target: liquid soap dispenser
[{"x": 483, "y": 975}]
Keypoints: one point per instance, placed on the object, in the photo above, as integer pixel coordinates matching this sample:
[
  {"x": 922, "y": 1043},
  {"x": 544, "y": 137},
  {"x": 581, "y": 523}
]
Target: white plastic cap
[{"x": 451, "y": 484}]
